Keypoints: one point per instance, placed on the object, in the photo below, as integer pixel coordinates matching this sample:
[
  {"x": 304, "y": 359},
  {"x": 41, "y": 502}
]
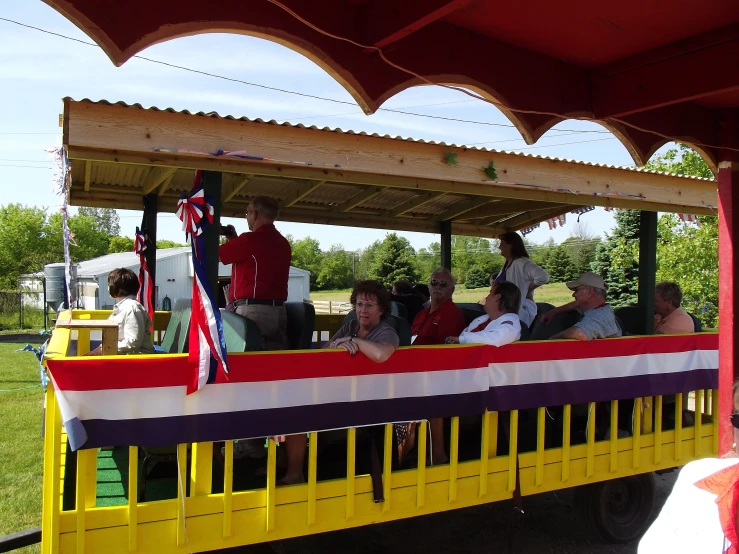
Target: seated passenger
[
  {"x": 403, "y": 294},
  {"x": 368, "y": 334},
  {"x": 500, "y": 325},
  {"x": 134, "y": 323},
  {"x": 423, "y": 294},
  {"x": 432, "y": 325},
  {"x": 598, "y": 322},
  {"x": 442, "y": 318},
  {"x": 670, "y": 319}
]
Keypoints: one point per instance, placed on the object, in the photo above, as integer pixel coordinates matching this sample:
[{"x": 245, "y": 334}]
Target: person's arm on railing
[{"x": 551, "y": 314}]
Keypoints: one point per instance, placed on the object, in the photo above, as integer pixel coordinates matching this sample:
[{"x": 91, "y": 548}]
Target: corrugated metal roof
[
  {"x": 105, "y": 264},
  {"x": 338, "y": 130}
]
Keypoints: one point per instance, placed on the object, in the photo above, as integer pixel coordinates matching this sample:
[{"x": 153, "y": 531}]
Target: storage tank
[{"x": 56, "y": 284}]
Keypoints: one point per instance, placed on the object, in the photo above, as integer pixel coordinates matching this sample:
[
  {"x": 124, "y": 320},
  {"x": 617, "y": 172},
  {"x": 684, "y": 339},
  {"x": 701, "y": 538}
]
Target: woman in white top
[
  {"x": 134, "y": 323},
  {"x": 521, "y": 271}
]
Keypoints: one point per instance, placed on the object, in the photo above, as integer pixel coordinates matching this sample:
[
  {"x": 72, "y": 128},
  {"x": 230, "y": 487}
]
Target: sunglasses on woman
[
  {"x": 734, "y": 418},
  {"x": 435, "y": 283}
]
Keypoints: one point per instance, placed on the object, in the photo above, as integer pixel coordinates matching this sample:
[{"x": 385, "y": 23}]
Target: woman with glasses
[
  {"x": 440, "y": 319},
  {"x": 368, "y": 334},
  {"x": 522, "y": 272},
  {"x": 700, "y": 515}
]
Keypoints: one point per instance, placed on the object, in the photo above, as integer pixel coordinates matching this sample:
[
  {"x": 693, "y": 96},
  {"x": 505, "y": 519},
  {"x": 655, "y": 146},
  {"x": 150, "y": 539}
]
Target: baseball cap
[{"x": 587, "y": 279}]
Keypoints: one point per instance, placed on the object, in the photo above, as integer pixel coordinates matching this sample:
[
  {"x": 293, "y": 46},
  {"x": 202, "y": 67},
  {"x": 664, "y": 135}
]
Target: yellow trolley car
[{"x": 656, "y": 396}]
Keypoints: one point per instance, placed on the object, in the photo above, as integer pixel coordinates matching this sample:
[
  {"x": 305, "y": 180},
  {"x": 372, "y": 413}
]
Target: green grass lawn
[
  {"x": 554, "y": 293},
  {"x": 21, "y": 447}
]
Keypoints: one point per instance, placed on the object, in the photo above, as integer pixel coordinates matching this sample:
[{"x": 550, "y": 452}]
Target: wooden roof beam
[
  {"x": 499, "y": 220},
  {"x": 409, "y": 205},
  {"x": 506, "y": 207},
  {"x": 302, "y": 191},
  {"x": 165, "y": 185},
  {"x": 528, "y": 219},
  {"x": 388, "y": 21},
  {"x": 463, "y": 207},
  {"x": 88, "y": 175},
  {"x": 156, "y": 177},
  {"x": 356, "y": 200},
  {"x": 233, "y": 185},
  {"x": 118, "y": 134}
]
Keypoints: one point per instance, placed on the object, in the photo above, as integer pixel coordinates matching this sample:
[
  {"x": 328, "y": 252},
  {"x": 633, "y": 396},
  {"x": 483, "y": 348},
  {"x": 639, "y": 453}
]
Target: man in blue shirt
[{"x": 598, "y": 321}]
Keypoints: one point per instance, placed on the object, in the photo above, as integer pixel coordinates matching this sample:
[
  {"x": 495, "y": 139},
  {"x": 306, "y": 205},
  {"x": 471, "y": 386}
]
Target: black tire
[{"x": 618, "y": 510}]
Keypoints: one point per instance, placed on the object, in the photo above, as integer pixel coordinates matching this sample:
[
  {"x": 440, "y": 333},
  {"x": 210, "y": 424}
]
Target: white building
[{"x": 173, "y": 275}]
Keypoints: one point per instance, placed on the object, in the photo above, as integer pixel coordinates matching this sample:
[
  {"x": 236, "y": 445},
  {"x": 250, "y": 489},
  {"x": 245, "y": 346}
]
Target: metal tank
[{"x": 56, "y": 285}]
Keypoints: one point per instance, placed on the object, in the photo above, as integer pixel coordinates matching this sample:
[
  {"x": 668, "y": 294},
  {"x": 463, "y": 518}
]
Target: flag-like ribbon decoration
[
  {"x": 207, "y": 342},
  {"x": 689, "y": 218},
  {"x": 145, "y": 286}
]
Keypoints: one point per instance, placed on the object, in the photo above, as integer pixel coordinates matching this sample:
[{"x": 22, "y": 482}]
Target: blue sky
[{"x": 37, "y": 70}]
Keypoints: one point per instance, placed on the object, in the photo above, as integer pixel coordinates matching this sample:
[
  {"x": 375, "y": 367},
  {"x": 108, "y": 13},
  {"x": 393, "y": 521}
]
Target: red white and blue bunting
[
  {"x": 207, "y": 342},
  {"x": 689, "y": 218},
  {"x": 528, "y": 230},
  {"x": 111, "y": 401},
  {"x": 145, "y": 285},
  {"x": 561, "y": 219}
]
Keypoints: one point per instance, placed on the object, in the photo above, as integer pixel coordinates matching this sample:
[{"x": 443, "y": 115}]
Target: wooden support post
[
  {"x": 212, "y": 188},
  {"x": 728, "y": 301},
  {"x": 647, "y": 270},
  {"x": 446, "y": 244},
  {"x": 149, "y": 227}
]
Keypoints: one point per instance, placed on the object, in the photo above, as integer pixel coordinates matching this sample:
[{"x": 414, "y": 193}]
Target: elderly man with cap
[{"x": 598, "y": 321}]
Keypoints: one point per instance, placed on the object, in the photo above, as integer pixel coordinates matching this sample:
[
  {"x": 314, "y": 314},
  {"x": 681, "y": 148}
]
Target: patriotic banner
[
  {"x": 145, "y": 285},
  {"x": 561, "y": 219},
  {"x": 689, "y": 218},
  {"x": 63, "y": 180},
  {"x": 142, "y": 400},
  {"x": 207, "y": 342}
]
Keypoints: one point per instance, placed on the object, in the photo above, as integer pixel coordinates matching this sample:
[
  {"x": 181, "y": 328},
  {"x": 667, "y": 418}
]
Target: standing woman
[{"x": 521, "y": 271}]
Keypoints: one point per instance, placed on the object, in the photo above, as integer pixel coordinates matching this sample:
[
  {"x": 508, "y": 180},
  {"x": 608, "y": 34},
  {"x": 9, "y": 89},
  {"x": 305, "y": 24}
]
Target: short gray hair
[
  {"x": 599, "y": 292},
  {"x": 670, "y": 292},
  {"x": 445, "y": 271},
  {"x": 265, "y": 205}
]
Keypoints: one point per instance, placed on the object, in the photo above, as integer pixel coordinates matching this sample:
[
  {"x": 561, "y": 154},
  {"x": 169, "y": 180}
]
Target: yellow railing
[
  {"x": 204, "y": 520},
  {"x": 198, "y": 519}
]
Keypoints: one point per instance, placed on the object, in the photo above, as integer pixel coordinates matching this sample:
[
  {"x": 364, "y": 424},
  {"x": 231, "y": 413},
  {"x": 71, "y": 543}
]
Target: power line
[
  {"x": 285, "y": 91},
  {"x": 26, "y": 166}
]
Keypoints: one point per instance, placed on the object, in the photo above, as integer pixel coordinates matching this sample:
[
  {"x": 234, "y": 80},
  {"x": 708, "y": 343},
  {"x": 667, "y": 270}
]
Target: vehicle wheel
[{"x": 617, "y": 510}]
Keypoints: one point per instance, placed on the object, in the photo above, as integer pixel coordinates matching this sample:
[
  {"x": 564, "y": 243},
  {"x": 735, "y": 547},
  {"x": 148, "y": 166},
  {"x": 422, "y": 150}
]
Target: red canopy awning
[{"x": 650, "y": 71}]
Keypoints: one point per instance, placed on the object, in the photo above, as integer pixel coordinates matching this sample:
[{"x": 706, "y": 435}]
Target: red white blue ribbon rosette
[{"x": 207, "y": 345}]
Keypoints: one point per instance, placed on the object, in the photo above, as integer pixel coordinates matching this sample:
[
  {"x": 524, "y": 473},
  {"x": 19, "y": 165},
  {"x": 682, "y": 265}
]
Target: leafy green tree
[
  {"x": 89, "y": 240},
  {"x": 469, "y": 252},
  {"x": 477, "y": 277},
  {"x": 394, "y": 260},
  {"x": 688, "y": 255},
  {"x": 617, "y": 259},
  {"x": 335, "y": 269},
  {"x": 559, "y": 265},
  {"x": 427, "y": 260},
  {"x": 682, "y": 160},
  {"x": 106, "y": 219},
  {"x": 120, "y": 244},
  {"x": 165, "y": 243},
  {"x": 307, "y": 255},
  {"x": 24, "y": 244},
  {"x": 365, "y": 259}
]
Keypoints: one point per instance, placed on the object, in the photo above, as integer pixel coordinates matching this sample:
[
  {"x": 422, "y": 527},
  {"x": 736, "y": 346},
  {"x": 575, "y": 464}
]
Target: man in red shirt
[
  {"x": 260, "y": 267},
  {"x": 442, "y": 318}
]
